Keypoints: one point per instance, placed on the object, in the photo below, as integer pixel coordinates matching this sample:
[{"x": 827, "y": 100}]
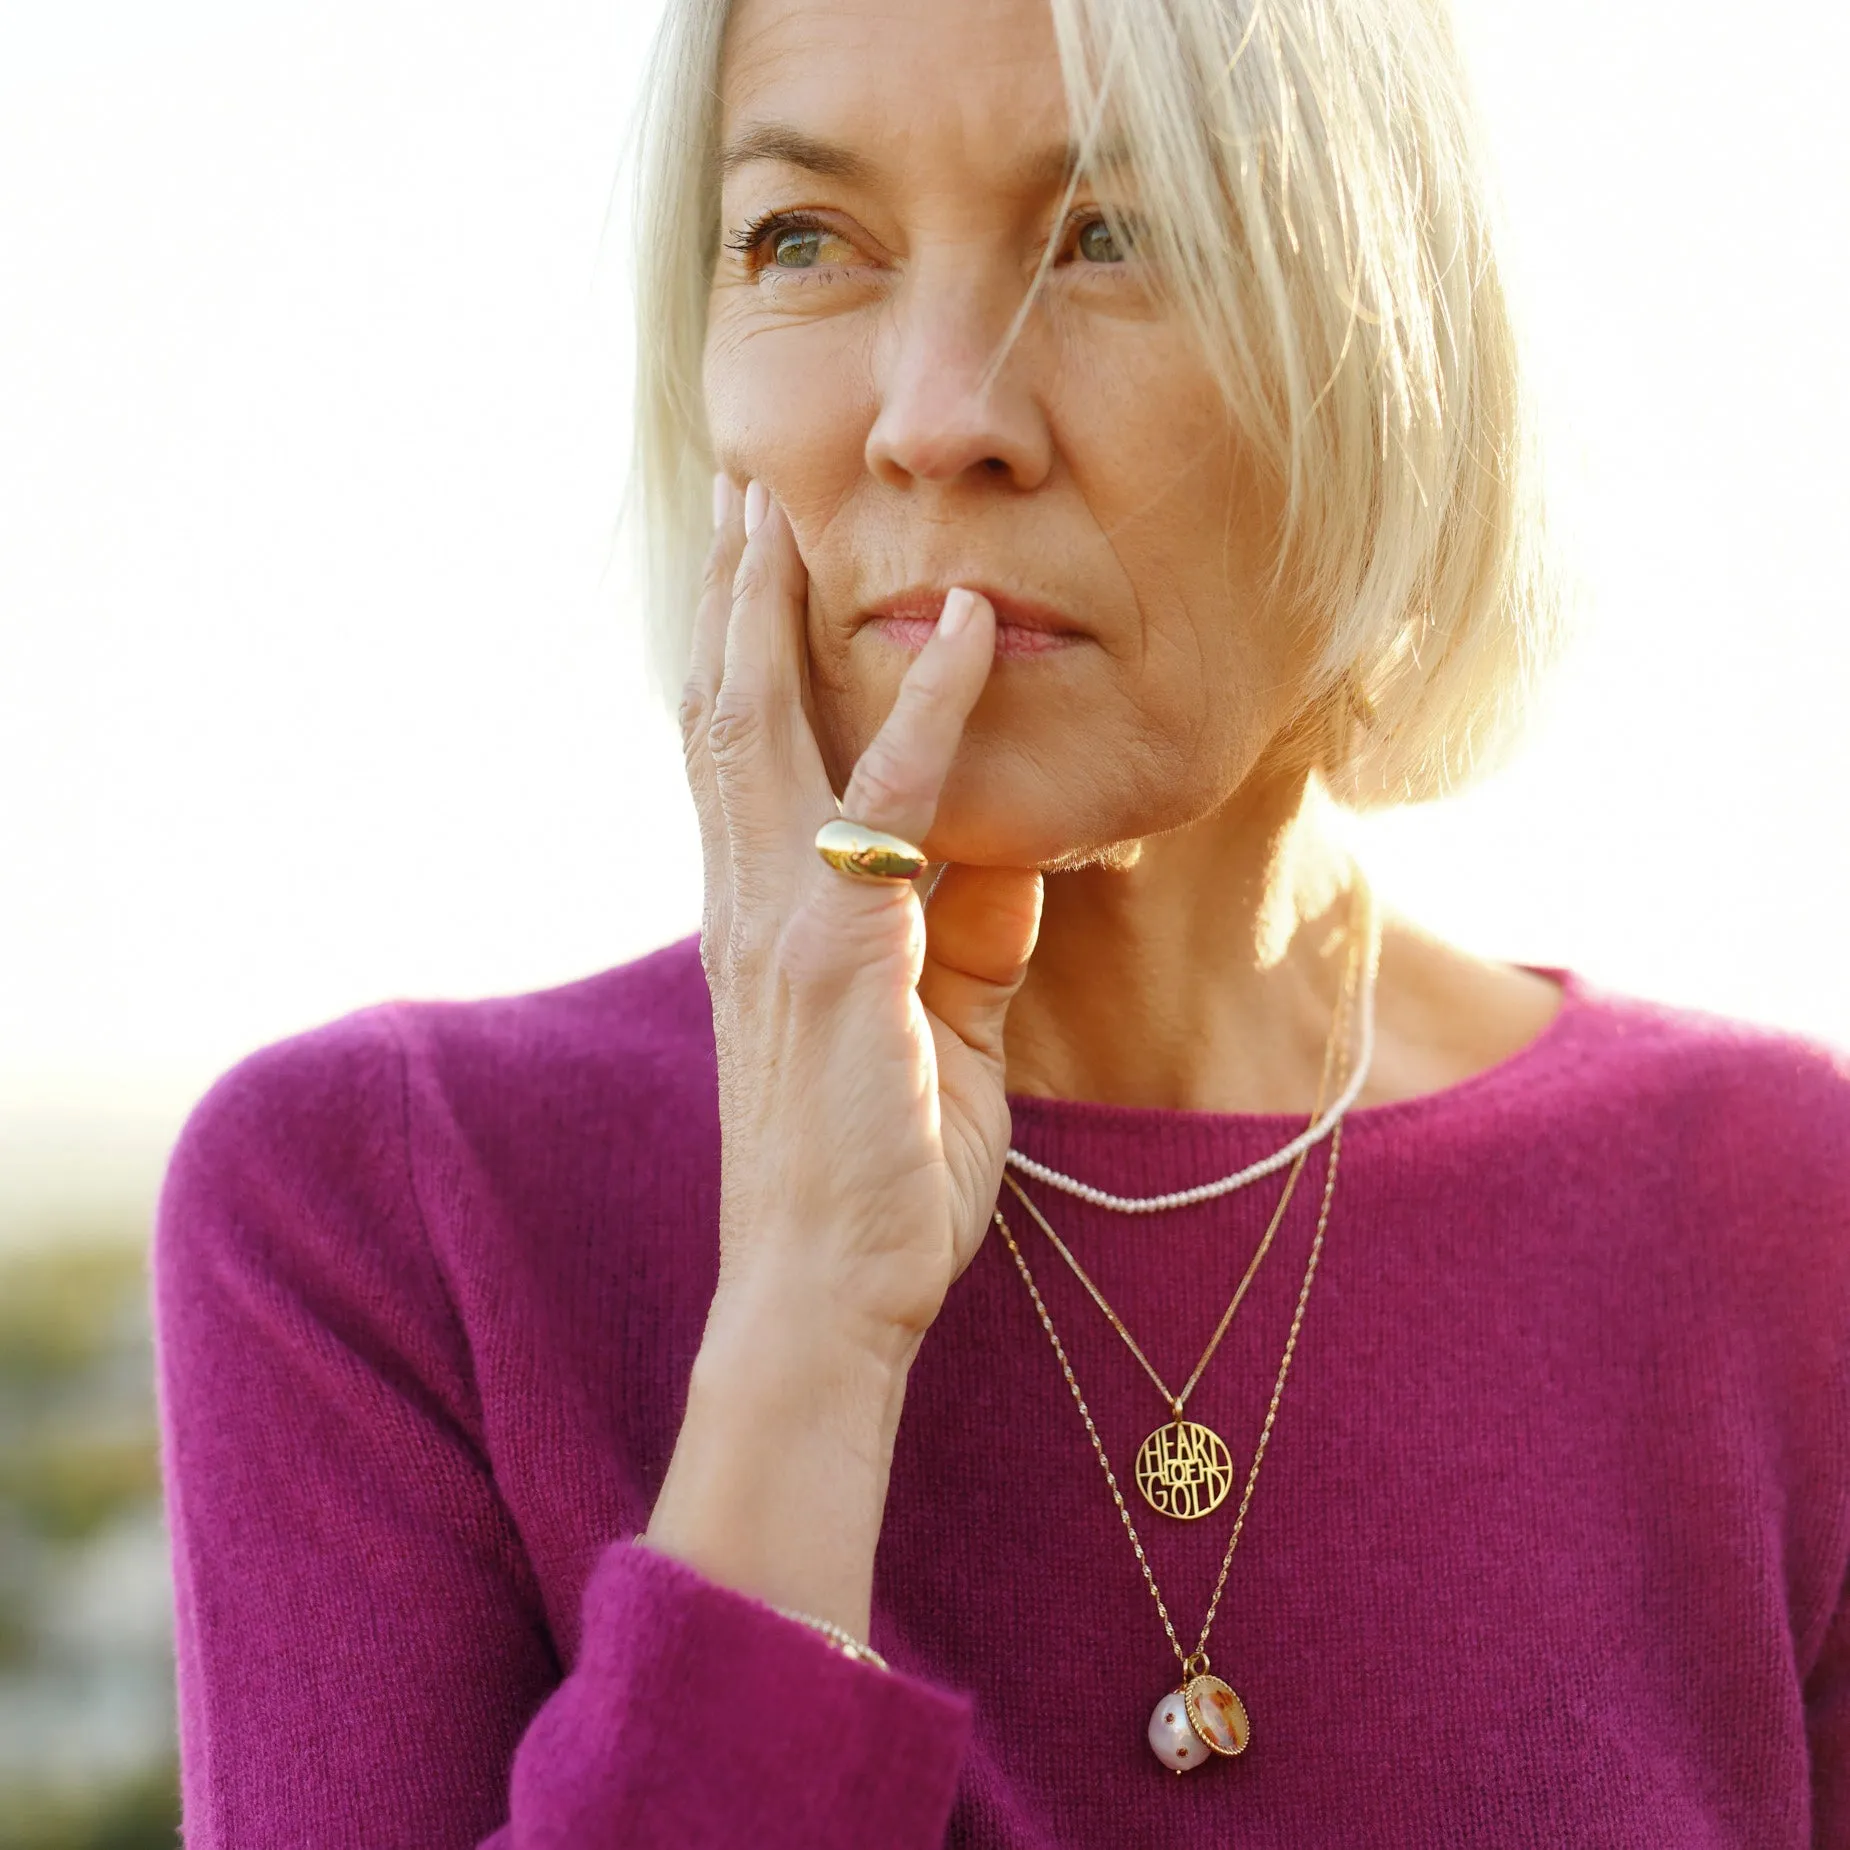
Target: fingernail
[
  {"x": 958, "y": 604},
  {"x": 722, "y": 499},
  {"x": 757, "y": 499}
]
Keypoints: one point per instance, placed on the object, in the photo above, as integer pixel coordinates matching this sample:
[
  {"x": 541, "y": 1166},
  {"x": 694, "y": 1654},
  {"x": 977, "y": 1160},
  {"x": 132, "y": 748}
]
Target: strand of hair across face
[{"x": 1267, "y": 1165}]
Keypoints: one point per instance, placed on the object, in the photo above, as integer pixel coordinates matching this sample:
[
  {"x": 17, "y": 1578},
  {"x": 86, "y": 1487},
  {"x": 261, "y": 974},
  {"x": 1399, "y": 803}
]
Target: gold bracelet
[{"x": 843, "y": 1640}]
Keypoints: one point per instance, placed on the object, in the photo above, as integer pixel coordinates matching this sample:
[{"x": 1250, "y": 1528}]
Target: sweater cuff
[{"x": 759, "y": 1729}]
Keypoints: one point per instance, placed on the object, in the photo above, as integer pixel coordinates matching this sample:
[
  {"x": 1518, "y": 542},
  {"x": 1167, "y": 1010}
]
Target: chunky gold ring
[{"x": 868, "y": 854}]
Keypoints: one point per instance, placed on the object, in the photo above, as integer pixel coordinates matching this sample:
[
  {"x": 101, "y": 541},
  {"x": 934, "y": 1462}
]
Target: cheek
[
  {"x": 1190, "y": 705},
  {"x": 852, "y": 687},
  {"x": 786, "y": 411},
  {"x": 748, "y": 404},
  {"x": 784, "y": 404},
  {"x": 1190, "y": 520},
  {"x": 1202, "y": 659}
]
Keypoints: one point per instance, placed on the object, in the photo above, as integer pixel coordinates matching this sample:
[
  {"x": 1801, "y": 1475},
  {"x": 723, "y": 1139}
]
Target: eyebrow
[{"x": 789, "y": 146}]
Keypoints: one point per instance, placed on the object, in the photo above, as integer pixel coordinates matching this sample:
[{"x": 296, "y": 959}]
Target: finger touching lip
[{"x": 1024, "y": 628}]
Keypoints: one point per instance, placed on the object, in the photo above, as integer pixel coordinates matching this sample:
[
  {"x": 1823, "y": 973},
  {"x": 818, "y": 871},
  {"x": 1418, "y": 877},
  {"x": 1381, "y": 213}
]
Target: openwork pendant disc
[
  {"x": 1185, "y": 1470},
  {"x": 1217, "y": 1715}
]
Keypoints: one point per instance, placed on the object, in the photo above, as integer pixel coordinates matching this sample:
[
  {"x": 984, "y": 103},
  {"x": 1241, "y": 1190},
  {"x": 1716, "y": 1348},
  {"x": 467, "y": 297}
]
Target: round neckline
[{"x": 1097, "y": 1115}]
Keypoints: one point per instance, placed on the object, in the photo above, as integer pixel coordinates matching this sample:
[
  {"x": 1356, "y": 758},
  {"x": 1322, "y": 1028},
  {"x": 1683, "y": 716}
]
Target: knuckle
[
  {"x": 808, "y": 953},
  {"x": 837, "y": 936},
  {"x": 928, "y": 686},
  {"x": 753, "y": 575},
  {"x": 752, "y": 941},
  {"x": 712, "y": 958},
  {"x": 758, "y": 900},
  {"x": 880, "y": 786},
  {"x": 734, "y": 728},
  {"x": 716, "y": 575},
  {"x": 696, "y": 705},
  {"x": 732, "y": 948}
]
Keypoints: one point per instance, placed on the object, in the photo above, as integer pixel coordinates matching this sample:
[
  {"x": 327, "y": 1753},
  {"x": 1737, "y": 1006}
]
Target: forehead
[{"x": 948, "y": 87}]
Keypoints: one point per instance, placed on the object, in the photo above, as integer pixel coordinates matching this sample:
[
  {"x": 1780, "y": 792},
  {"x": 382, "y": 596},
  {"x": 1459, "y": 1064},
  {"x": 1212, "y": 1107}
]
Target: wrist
[
  {"x": 805, "y": 1332},
  {"x": 778, "y": 1482}
]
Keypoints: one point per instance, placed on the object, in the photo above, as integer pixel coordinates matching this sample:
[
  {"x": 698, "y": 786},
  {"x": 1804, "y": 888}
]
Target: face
[{"x": 1096, "y": 489}]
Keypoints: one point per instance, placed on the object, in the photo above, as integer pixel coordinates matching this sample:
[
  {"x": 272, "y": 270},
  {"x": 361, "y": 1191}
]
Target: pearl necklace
[{"x": 1362, "y": 901}]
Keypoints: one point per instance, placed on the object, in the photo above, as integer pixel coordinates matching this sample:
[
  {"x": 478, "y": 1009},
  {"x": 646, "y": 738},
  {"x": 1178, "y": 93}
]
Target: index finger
[{"x": 900, "y": 776}]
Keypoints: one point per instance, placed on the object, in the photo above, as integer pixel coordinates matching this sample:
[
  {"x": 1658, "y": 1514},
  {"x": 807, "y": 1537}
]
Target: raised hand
[
  {"x": 859, "y": 1033},
  {"x": 863, "y": 1114}
]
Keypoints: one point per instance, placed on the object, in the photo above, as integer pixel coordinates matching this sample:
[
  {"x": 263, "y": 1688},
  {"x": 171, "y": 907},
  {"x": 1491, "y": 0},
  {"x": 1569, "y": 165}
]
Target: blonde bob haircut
[{"x": 1310, "y": 190}]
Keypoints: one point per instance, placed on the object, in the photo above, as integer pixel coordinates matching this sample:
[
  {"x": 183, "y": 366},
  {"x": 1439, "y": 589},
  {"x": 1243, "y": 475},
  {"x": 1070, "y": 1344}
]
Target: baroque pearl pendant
[
  {"x": 1194, "y": 1724},
  {"x": 1172, "y": 1739}
]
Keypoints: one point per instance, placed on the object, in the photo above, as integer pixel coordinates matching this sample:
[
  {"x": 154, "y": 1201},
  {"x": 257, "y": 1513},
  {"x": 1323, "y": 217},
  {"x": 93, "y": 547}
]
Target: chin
[
  {"x": 1034, "y": 788},
  {"x": 989, "y": 817}
]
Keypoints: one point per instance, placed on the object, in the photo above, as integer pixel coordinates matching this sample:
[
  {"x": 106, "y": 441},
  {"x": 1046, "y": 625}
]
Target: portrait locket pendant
[{"x": 1184, "y": 1469}]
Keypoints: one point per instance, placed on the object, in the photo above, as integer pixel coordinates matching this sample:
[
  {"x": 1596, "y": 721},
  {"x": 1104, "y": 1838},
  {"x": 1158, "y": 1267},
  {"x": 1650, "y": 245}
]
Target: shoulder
[
  {"x": 347, "y": 1108},
  {"x": 643, "y": 1026},
  {"x": 1709, "y": 1081},
  {"x": 641, "y": 1032},
  {"x": 1718, "y": 1152},
  {"x": 1569, "y": 1053},
  {"x": 1679, "y": 1143}
]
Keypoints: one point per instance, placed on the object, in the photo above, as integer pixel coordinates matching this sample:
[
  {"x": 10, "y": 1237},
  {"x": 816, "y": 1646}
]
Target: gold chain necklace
[
  {"x": 1202, "y": 1711},
  {"x": 1184, "y": 1468}
]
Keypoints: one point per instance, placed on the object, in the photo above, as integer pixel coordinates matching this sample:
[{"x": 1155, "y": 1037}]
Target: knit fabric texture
[{"x": 1549, "y": 1546}]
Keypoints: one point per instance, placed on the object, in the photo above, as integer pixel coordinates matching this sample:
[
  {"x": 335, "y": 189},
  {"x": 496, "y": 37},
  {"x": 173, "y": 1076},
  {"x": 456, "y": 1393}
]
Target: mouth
[{"x": 1024, "y": 628}]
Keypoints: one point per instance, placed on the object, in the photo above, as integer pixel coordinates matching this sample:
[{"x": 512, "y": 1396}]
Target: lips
[{"x": 1023, "y": 626}]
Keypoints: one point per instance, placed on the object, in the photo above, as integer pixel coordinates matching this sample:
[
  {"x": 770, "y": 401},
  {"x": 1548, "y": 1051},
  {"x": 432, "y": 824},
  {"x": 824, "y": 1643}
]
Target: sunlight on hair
[{"x": 1307, "y": 183}]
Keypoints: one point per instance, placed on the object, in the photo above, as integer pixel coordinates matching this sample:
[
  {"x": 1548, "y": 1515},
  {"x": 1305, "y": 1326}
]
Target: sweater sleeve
[
  {"x": 362, "y": 1652},
  {"x": 1827, "y": 1728}
]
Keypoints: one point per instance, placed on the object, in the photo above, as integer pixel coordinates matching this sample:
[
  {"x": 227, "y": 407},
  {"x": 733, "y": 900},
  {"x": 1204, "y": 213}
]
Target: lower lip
[{"x": 1012, "y": 642}]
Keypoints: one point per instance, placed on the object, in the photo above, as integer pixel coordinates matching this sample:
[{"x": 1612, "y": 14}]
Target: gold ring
[{"x": 868, "y": 854}]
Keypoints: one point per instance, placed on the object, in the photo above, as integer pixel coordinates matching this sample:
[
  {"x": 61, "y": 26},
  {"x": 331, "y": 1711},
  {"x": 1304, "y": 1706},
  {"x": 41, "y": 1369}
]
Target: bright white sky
[{"x": 318, "y": 679}]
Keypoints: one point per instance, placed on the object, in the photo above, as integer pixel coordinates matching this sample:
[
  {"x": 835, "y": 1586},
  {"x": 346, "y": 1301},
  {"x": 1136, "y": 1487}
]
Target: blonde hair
[{"x": 1312, "y": 191}]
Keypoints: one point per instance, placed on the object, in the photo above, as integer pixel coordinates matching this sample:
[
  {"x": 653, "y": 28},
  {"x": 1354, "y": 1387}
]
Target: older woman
[{"x": 1055, "y": 1323}]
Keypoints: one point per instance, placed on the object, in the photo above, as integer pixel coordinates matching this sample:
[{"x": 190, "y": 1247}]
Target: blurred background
[{"x": 319, "y": 673}]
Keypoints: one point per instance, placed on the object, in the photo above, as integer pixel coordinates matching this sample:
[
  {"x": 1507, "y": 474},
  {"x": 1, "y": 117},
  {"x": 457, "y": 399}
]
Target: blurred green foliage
[
  {"x": 60, "y": 1306},
  {"x": 141, "y": 1813},
  {"x": 67, "y": 1488},
  {"x": 79, "y": 1453}
]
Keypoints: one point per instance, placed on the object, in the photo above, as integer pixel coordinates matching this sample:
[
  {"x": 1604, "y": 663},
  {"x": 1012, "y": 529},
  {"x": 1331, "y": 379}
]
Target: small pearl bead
[{"x": 1172, "y": 1740}]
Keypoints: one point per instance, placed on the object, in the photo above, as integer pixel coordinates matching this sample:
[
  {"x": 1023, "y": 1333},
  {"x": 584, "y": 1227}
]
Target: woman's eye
[
  {"x": 787, "y": 241},
  {"x": 1097, "y": 243},
  {"x": 798, "y": 248}
]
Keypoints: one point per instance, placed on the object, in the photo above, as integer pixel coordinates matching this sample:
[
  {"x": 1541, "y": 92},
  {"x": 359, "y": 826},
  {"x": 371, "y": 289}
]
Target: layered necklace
[
  {"x": 1361, "y": 908},
  {"x": 1185, "y": 1469}
]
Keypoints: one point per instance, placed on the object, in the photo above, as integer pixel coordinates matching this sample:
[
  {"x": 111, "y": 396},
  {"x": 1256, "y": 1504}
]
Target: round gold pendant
[
  {"x": 1184, "y": 1470},
  {"x": 1217, "y": 1715}
]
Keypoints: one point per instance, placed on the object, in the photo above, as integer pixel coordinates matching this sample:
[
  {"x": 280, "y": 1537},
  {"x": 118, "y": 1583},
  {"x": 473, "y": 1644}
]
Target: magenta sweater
[{"x": 1549, "y": 1546}]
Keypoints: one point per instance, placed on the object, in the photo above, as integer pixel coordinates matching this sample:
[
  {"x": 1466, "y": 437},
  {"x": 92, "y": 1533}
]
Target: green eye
[
  {"x": 795, "y": 249},
  {"x": 1097, "y": 243},
  {"x": 786, "y": 241}
]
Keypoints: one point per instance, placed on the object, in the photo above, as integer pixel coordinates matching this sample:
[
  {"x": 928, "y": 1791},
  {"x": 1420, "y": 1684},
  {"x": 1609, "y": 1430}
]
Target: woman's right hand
[
  {"x": 859, "y": 1033},
  {"x": 863, "y": 1120}
]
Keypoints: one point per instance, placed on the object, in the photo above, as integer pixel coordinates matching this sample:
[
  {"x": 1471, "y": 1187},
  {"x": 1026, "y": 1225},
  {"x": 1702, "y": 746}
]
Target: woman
[{"x": 627, "y": 1414}]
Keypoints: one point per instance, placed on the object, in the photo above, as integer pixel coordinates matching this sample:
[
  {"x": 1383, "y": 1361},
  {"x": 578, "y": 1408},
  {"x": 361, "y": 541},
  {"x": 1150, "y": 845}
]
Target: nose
[{"x": 937, "y": 421}]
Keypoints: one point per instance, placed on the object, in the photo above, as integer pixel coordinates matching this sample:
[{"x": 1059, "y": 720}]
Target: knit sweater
[{"x": 1548, "y": 1548}]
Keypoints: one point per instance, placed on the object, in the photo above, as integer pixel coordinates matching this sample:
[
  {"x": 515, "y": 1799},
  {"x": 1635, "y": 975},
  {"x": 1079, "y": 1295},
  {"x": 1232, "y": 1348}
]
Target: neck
[{"x": 1197, "y": 972}]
